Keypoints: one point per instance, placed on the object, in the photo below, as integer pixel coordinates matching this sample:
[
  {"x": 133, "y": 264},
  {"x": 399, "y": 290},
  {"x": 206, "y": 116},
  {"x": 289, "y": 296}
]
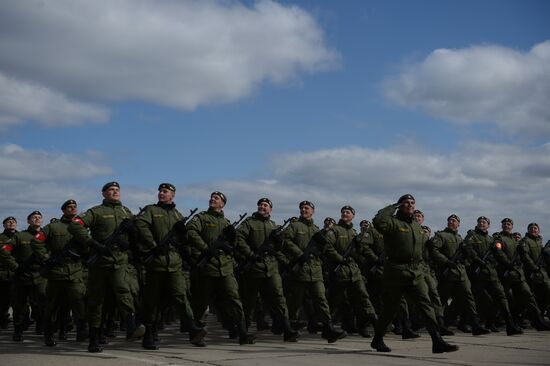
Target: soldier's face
[
  {"x": 534, "y": 230},
  {"x": 347, "y": 216},
  {"x": 10, "y": 225},
  {"x": 407, "y": 207},
  {"x": 264, "y": 209},
  {"x": 483, "y": 225},
  {"x": 112, "y": 194},
  {"x": 453, "y": 224},
  {"x": 216, "y": 202},
  {"x": 419, "y": 218},
  {"x": 70, "y": 211},
  {"x": 166, "y": 196},
  {"x": 507, "y": 227},
  {"x": 35, "y": 220},
  {"x": 306, "y": 212}
]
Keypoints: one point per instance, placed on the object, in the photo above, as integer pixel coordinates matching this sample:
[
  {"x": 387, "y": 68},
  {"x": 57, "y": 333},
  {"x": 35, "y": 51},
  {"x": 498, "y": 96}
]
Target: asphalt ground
[{"x": 531, "y": 348}]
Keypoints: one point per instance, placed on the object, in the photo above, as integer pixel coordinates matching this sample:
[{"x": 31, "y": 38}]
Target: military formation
[{"x": 109, "y": 268}]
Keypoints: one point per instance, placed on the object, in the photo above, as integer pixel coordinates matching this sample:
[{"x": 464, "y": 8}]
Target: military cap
[
  {"x": 306, "y": 203},
  {"x": 34, "y": 213},
  {"x": 168, "y": 186},
  {"x": 8, "y": 219},
  {"x": 405, "y": 197},
  {"x": 348, "y": 207},
  {"x": 418, "y": 212},
  {"x": 109, "y": 185},
  {"x": 528, "y": 226},
  {"x": 367, "y": 222},
  {"x": 507, "y": 219},
  {"x": 426, "y": 228},
  {"x": 265, "y": 200},
  {"x": 67, "y": 203},
  {"x": 222, "y": 196},
  {"x": 453, "y": 216},
  {"x": 483, "y": 218},
  {"x": 330, "y": 220}
]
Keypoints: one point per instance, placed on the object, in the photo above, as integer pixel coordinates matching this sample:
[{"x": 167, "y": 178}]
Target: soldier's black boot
[
  {"x": 290, "y": 335},
  {"x": 155, "y": 331},
  {"x": 443, "y": 330},
  {"x": 477, "y": 328},
  {"x": 331, "y": 334},
  {"x": 261, "y": 323},
  {"x": 49, "y": 339},
  {"x": 94, "y": 346},
  {"x": 397, "y": 327},
  {"x": 18, "y": 333},
  {"x": 102, "y": 335},
  {"x": 81, "y": 331},
  {"x": 406, "y": 330},
  {"x": 133, "y": 330},
  {"x": 244, "y": 336},
  {"x": 313, "y": 326},
  {"x": 379, "y": 345},
  {"x": 196, "y": 334},
  {"x": 539, "y": 323},
  {"x": 148, "y": 341},
  {"x": 512, "y": 328},
  {"x": 439, "y": 345},
  {"x": 464, "y": 326}
]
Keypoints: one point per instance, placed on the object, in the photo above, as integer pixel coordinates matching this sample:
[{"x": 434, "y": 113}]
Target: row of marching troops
[{"x": 393, "y": 275}]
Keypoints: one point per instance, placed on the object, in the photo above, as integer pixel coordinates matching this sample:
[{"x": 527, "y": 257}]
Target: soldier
[
  {"x": 6, "y": 272},
  {"x": 161, "y": 231},
  {"x": 447, "y": 252},
  {"x": 342, "y": 246},
  {"x": 98, "y": 228},
  {"x": 507, "y": 254},
  {"x": 532, "y": 256},
  {"x": 63, "y": 269},
  {"x": 303, "y": 247},
  {"x": 28, "y": 285},
  {"x": 211, "y": 239},
  {"x": 403, "y": 275},
  {"x": 258, "y": 237},
  {"x": 486, "y": 286}
]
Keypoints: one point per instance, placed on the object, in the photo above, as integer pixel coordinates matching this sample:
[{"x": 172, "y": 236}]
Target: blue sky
[{"x": 337, "y": 102}]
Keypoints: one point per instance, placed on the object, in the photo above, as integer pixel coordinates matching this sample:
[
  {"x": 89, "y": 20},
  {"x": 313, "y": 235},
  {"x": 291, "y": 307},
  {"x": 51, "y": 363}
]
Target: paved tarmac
[{"x": 531, "y": 348}]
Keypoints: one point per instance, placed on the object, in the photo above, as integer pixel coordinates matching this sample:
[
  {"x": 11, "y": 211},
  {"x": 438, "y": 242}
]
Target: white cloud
[
  {"x": 20, "y": 101},
  {"x": 486, "y": 84},
  {"x": 181, "y": 54}
]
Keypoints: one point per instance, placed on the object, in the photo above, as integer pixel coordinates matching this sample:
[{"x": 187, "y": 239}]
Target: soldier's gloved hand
[
  {"x": 255, "y": 258},
  {"x": 100, "y": 248},
  {"x": 122, "y": 244},
  {"x": 226, "y": 247},
  {"x": 277, "y": 236},
  {"x": 180, "y": 228},
  {"x": 302, "y": 259},
  {"x": 451, "y": 264},
  {"x": 345, "y": 260},
  {"x": 229, "y": 233},
  {"x": 379, "y": 262},
  {"x": 320, "y": 237},
  {"x": 479, "y": 262}
]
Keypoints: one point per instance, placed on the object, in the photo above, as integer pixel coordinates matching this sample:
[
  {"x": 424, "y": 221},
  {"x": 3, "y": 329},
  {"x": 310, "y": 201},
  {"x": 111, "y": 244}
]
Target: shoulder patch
[
  {"x": 498, "y": 245},
  {"x": 7, "y": 247},
  {"x": 78, "y": 220},
  {"x": 40, "y": 236}
]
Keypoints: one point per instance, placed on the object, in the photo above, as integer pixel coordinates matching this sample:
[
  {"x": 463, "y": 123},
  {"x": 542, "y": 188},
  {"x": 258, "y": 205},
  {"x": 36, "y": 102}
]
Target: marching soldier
[
  {"x": 533, "y": 255},
  {"x": 104, "y": 228},
  {"x": 211, "y": 238},
  {"x": 63, "y": 268},
  {"x": 6, "y": 271},
  {"x": 258, "y": 238},
  {"x": 303, "y": 247},
  {"x": 403, "y": 275}
]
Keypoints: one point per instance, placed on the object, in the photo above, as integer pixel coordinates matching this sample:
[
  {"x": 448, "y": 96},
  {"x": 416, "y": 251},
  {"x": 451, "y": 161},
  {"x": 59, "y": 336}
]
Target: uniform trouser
[
  {"x": 225, "y": 292},
  {"x": 34, "y": 293},
  {"x": 162, "y": 285},
  {"x": 541, "y": 290},
  {"x": 65, "y": 294},
  {"x": 357, "y": 297},
  {"x": 416, "y": 293},
  {"x": 488, "y": 286},
  {"x": 5, "y": 298},
  {"x": 433, "y": 293},
  {"x": 461, "y": 294},
  {"x": 315, "y": 290},
  {"x": 523, "y": 298},
  {"x": 271, "y": 293},
  {"x": 100, "y": 282}
]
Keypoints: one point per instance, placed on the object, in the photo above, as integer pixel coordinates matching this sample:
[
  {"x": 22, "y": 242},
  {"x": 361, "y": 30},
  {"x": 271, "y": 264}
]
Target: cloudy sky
[{"x": 337, "y": 102}]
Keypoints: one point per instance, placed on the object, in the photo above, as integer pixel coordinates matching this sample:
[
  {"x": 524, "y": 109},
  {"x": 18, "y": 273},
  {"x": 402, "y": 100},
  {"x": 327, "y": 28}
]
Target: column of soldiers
[{"x": 108, "y": 263}]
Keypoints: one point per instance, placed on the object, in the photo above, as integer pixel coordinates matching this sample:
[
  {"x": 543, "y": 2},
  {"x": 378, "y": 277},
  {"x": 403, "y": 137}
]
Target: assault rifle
[
  {"x": 311, "y": 250},
  {"x": 349, "y": 251},
  {"x": 111, "y": 243},
  {"x": 455, "y": 258},
  {"x": 219, "y": 244},
  {"x": 539, "y": 263},
  {"x": 164, "y": 245},
  {"x": 516, "y": 261},
  {"x": 265, "y": 248},
  {"x": 58, "y": 259},
  {"x": 483, "y": 261}
]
